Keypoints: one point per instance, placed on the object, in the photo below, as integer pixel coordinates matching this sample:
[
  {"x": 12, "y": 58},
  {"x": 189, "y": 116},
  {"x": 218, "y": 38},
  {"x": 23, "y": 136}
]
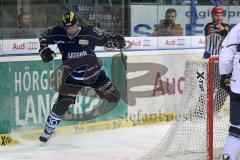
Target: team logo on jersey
[
  {"x": 83, "y": 42},
  {"x": 98, "y": 31}
]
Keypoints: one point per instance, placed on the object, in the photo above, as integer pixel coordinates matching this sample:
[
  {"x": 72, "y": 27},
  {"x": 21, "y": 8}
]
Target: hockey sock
[{"x": 52, "y": 121}]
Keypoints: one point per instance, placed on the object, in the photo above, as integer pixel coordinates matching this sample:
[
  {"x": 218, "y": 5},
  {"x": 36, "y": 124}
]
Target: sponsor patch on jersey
[
  {"x": 77, "y": 54},
  {"x": 83, "y": 42},
  {"x": 98, "y": 31}
]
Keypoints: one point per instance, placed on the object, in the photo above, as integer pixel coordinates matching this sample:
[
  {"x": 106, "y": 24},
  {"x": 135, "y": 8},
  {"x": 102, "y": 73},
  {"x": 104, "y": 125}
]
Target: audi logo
[
  {"x": 32, "y": 45},
  {"x": 181, "y": 42},
  {"x": 146, "y": 42}
]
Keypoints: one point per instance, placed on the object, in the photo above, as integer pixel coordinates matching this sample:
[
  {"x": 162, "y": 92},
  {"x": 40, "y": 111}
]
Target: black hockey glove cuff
[
  {"x": 225, "y": 82},
  {"x": 43, "y": 42},
  {"x": 46, "y": 54},
  {"x": 119, "y": 41}
]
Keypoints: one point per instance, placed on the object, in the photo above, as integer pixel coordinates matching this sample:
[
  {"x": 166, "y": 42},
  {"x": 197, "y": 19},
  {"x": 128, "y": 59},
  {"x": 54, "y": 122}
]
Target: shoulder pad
[
  {"x": 58, "y": 30},
  {"x": 93, "y": 29},
  {"x": 98, "y": 31}
]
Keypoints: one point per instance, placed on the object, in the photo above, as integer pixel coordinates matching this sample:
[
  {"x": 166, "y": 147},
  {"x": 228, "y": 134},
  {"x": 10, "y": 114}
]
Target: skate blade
[{"x": 43, "y": 144}]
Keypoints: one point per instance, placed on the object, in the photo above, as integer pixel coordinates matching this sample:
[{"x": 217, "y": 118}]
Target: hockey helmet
[
  {"x": 217, "y": 10},
  {"x": 69, "y": 19}
]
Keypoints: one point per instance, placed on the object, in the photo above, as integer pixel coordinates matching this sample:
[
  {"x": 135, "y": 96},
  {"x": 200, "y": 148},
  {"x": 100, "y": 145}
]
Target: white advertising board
[
  {"x": 197, "y": 41},
  {"x": 20, "y": 46},
  {"x": 156, "y": 81},
  {"x": 28, "y": 46},
  {"x": 1, "y": 46},
  {"x": 174, "y": 42},
  {"x": 136, "y": 43}
]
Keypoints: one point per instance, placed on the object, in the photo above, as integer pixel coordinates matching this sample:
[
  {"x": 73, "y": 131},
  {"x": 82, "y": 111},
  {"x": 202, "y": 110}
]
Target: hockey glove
[
  {"x": 46, "y": 54},
  {"x": 119, "y": 41},
  {"x": 206, "y": 55},
  {"x": 225, "y": 82}
]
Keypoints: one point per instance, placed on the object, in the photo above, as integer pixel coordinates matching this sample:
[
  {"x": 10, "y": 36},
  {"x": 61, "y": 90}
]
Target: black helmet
[{"x": 69, "y": 19}]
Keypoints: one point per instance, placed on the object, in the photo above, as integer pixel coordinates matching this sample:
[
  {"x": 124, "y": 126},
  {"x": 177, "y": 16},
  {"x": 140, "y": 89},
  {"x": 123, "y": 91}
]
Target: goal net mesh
[{"x": 189, "y": 135}]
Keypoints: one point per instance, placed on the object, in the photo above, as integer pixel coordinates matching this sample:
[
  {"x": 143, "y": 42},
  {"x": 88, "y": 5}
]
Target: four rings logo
[
  {"x": 32, "y": 45},
  {"x": 181, "y": 42},
  {"x": 146, "y": 42}
]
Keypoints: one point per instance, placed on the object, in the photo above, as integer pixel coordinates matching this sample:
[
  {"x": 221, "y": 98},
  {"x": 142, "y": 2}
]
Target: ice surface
[{"x": 119, "y": 144}]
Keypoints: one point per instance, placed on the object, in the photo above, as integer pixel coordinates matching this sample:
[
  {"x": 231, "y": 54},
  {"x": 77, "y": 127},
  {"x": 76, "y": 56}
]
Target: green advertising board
[{"x": 27, "y": 98}]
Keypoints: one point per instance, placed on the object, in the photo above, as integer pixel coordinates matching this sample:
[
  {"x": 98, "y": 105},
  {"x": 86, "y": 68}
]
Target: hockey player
[
  {"x": 215, "y": 32},
  {"x": 76, "y": 44},
  {"x": 229, "y": 68}
]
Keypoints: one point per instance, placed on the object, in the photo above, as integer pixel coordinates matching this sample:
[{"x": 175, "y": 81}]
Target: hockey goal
[{"x": 202, "y": 124}]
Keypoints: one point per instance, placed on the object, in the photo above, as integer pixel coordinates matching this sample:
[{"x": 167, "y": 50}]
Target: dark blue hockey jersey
[{"x": 82, "y": 44}]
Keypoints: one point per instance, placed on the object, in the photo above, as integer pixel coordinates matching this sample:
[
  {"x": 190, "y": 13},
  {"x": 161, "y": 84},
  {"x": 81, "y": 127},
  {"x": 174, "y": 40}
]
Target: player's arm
[
  {"x": 110, "y": 41},
  {"x": 224, "y": 30},
  {"x": 230, "y": 47},
  {"x": 207, "y": 30},
  {"x": 45, "y": 52}
]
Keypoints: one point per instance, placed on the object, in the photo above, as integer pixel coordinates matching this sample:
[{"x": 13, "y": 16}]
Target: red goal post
[{"x": 210, "y": 104}]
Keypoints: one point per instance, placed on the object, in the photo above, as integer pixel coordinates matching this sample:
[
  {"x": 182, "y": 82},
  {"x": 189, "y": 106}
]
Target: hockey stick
[
  {"x": 122, "y": 57},
  {"x": 121, "y": 51}
]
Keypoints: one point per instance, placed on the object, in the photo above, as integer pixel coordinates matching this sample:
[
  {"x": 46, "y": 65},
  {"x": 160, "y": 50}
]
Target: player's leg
[
  {"x": 56, "y": 115},
  {"x": 105, "y": 89},
  {"x": 232, "y": 141},
  {"x": 67, "y": 96}
]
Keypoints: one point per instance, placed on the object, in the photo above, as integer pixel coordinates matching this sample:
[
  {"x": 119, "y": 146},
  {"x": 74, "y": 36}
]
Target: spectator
[
  {"x": 167, "y": 26},
  {"x": 24, "y": 20},
  {"x": 24, "y": 27},
  {"x": 234, "y": 2}
]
